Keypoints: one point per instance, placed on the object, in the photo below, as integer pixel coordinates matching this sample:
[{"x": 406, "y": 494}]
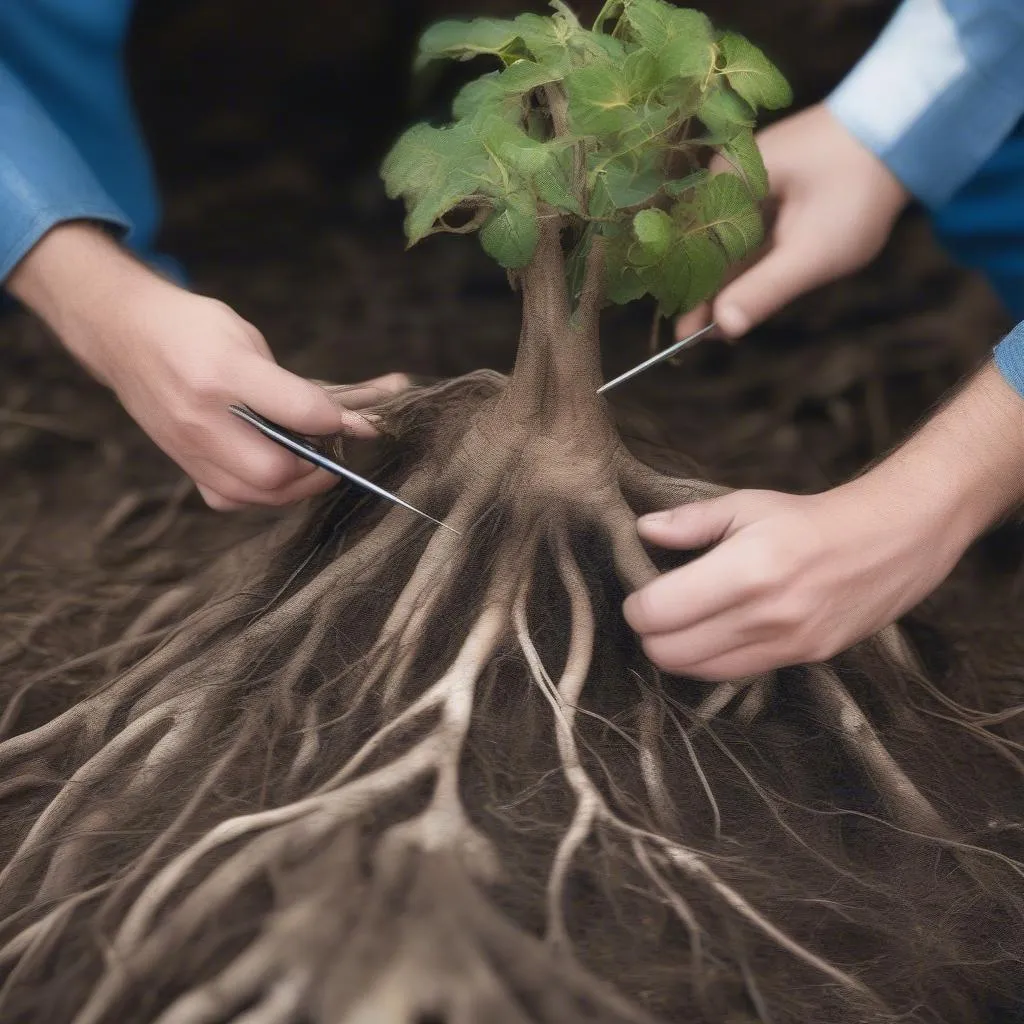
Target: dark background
[{"x": 267, "y": 121}]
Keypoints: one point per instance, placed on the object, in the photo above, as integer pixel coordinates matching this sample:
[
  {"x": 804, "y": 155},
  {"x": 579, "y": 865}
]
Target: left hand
[{"x": 790, "y": 579}]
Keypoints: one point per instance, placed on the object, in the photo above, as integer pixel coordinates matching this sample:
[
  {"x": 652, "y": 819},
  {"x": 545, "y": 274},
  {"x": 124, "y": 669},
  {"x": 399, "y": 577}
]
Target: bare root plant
[{"x": 373, "y": 772}]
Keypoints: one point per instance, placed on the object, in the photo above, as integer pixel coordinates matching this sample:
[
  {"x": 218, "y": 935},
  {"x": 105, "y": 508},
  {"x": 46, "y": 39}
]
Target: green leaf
[
  {"x": 487, "y": 95},
  {"x": 743, "y": 154},
  {"x": 622, "y": 280},
  {"x": 680, "y": 39},
  {"x": 689, "y": 54},
  {"x": 752, "y": 74},
  {"x": 545, "y": 38},
  {"x": 724, "y": 114},
  {"x": 681, "y": 185},
  {"x": 510, "y": 234},
  {"x": 691, "y": 271},
  {"x": 434, "y": 169},
  {"x": 611, "y": 9},
  {"x": 725, "y": 206},
  {"x": 600, "y": 100},
  {"x": 654, "y": 230},
  {"x": 628, "y": 186},
  {"x": 553, "y": 181},
  {"x": 463, "y": 40},
  {"x": 642, "y": 72}
]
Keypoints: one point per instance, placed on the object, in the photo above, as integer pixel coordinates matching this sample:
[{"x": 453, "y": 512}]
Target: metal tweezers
[
  {"x": 647, "y": 363},
  {"x": 305, "y": 450}
]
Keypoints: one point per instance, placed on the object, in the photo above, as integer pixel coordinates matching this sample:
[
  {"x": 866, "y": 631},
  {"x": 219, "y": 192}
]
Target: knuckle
[
  {"x": 763, "y": 570},
  {"x": 395, "y": 382}
]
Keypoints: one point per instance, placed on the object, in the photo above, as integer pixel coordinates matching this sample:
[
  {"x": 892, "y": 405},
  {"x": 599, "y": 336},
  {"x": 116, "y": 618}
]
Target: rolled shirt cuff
[
  {"x": 938, "y": 92},
  {"x": 1009, "y": 358},
  {"x": 43, "y": 179}
]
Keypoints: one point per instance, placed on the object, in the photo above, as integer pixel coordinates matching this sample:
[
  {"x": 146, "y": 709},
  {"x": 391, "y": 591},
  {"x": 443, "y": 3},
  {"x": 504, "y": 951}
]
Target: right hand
[
  {"x": 837, "y": 203},
  {"x": 178, "y": 360}
]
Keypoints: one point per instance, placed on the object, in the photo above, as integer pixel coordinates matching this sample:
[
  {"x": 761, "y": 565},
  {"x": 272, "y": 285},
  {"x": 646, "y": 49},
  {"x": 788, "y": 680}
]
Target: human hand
[
  {"x": 178, "y": 360},
  {"x": 836, "y": 204},
  {"x": 791, "y": 579}
]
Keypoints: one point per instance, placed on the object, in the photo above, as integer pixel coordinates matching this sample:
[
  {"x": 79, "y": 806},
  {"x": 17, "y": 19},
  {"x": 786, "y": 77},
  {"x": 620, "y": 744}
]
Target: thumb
[
  {"x": 299, "y": 404},
  {"x": 783, "y": 274},
  {"x": 689, "y": 526}
]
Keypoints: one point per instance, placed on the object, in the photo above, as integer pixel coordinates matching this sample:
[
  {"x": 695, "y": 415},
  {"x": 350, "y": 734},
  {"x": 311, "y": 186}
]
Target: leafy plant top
[{"x": 607, "y": 129}]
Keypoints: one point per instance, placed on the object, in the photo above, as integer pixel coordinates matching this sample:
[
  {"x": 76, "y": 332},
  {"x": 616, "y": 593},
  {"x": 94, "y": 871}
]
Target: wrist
[{"x": 960, "y": 473}]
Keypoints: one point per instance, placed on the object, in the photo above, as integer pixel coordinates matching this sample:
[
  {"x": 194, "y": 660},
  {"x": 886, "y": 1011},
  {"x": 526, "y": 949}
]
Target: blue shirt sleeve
[
  {"x": 1009, "y": 356},
  {"x": 938, "y": 92},
  {"x": 43, "y": 179}
]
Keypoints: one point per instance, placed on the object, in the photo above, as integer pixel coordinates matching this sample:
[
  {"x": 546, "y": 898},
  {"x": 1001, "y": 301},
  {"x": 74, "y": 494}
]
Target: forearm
[
  {"x": 964, "y": 467},
  {"x": 77, "y": 278}
]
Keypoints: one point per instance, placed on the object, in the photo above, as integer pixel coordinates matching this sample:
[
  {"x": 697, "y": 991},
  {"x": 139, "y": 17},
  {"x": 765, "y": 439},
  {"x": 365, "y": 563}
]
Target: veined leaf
[
  {"x": 622, "y": 280},
  {"x": 724, "y": 113},
  {"x": 553, "y": 181},
  {"x": 743, "y": 154},
  {"x": 629, "y": 183},
  {"x": 600, "y": 99},
  {"x": 487, "y": 95},
  {"x": 527, "y": 163},
  {"x": 725, "y": 206},
  {"x": 680, "y": 185},
  {"x": 691, "y": 271},
  {"x": 752, "y": 74},
  {"x": 679, "y": 38},
  {"x": 545, "y": 38},
  {"x": 434, "y": 169},
  {"x": 510, "y": 234},
  {"x": 463, "y": 40},
  {"x": 642, "y": 72}
]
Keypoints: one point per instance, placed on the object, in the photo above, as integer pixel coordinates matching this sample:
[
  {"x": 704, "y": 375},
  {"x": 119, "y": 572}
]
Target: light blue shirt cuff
[
  {"x": 43, "y": 179},
  {"x": 938, "y": 92},
  {"x": 1009, "y": 357}
]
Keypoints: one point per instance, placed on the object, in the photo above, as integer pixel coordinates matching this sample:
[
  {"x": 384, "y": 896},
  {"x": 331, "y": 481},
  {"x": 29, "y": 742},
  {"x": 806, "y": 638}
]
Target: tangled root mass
[{"x": 372, "y": 772}]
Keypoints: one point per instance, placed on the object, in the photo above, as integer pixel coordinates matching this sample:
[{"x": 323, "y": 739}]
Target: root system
[{"x": 367, "y": 771}]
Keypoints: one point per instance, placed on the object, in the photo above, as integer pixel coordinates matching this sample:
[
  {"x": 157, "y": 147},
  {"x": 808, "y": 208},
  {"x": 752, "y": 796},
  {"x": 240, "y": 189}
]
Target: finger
[
  {"x": 683, "y": 652},
  {"x": 231, "y": 489},
  {"x": 685, "y": 597},
  {"x": 240, "y": 452},
  {"x": 217, "y": 501},
  {"x": 692, "y": 322},
  {"x": 371, "y": 392},
  {"x": 740, "y": 662},
  {"x": 296, "y": 403},
  {"x": 687, "y": 527},
  {"x": 784, "y": 273}
]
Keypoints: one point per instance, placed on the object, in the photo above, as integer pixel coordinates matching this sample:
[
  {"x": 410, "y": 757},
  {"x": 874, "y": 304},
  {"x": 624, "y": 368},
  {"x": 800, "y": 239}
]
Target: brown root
[{"x": 398, "y": 775}]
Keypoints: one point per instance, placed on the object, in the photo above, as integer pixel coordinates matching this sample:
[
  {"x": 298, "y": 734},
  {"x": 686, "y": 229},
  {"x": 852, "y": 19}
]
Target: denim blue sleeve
[
  {"x": 43, "y": 179},
  {"x": 938, "y": 92},
  {"x": 1010, "y": 358}
]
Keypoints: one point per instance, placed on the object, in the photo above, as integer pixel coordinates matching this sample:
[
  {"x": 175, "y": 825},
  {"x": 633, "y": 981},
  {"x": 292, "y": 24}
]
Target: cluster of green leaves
[{"x": 605, "y": 128}]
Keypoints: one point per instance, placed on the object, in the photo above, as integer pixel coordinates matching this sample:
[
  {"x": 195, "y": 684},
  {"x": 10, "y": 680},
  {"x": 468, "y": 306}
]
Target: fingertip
[
  {"x": 217, "y": 501},
  {"x": 732, "y": 320},
  {"x": 355, "y": 425}
]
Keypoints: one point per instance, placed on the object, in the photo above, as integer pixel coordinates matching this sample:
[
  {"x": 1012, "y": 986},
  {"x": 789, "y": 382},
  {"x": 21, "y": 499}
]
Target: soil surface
[{"x": 266, "y": 141}]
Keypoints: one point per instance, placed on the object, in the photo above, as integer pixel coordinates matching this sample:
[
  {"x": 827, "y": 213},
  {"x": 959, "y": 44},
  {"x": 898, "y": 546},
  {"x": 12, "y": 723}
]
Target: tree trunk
[{"x": 558, "y": 365}]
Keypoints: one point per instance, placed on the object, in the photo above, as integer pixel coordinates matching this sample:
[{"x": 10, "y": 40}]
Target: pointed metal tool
[
  {"x": 664, "y": 354},
  {"x": 301, "y": 447}
]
